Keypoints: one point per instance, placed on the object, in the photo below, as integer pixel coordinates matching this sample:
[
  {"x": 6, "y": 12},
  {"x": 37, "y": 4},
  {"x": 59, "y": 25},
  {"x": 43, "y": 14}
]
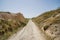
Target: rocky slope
[
  {"x": 9, "y": 23},
  {"x": 49, "y": 22}
]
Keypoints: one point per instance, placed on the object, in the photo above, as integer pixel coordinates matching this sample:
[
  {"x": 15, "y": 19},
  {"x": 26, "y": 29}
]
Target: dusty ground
[{"x": 29, "y": 32}]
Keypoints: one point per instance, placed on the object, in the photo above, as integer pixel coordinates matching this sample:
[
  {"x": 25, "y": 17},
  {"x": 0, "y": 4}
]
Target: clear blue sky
[{"x": 29, "y": 8}]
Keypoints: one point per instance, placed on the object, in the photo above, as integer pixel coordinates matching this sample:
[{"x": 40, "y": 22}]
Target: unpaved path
[{"x": 29, "y": 32}]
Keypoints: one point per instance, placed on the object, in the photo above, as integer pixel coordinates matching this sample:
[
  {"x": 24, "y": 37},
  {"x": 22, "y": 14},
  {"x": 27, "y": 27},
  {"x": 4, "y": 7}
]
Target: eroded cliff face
[
  {"x": 20, "y": 17},
  {"x": 9, "y": 23},
  {"x": 8, "y": 15},
  {"x": 52, "y": 27},
  {"x": 49, "y": 23}
]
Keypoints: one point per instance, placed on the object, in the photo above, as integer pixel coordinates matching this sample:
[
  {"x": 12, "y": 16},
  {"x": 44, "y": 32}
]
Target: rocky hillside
[
  {"x": 9, "y": 23},
  {"x": 49, "y": 22}
]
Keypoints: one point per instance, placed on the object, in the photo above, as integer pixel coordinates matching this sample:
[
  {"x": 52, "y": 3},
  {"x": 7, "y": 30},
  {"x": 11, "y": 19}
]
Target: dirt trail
[{"x": 29, "y": 32}]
